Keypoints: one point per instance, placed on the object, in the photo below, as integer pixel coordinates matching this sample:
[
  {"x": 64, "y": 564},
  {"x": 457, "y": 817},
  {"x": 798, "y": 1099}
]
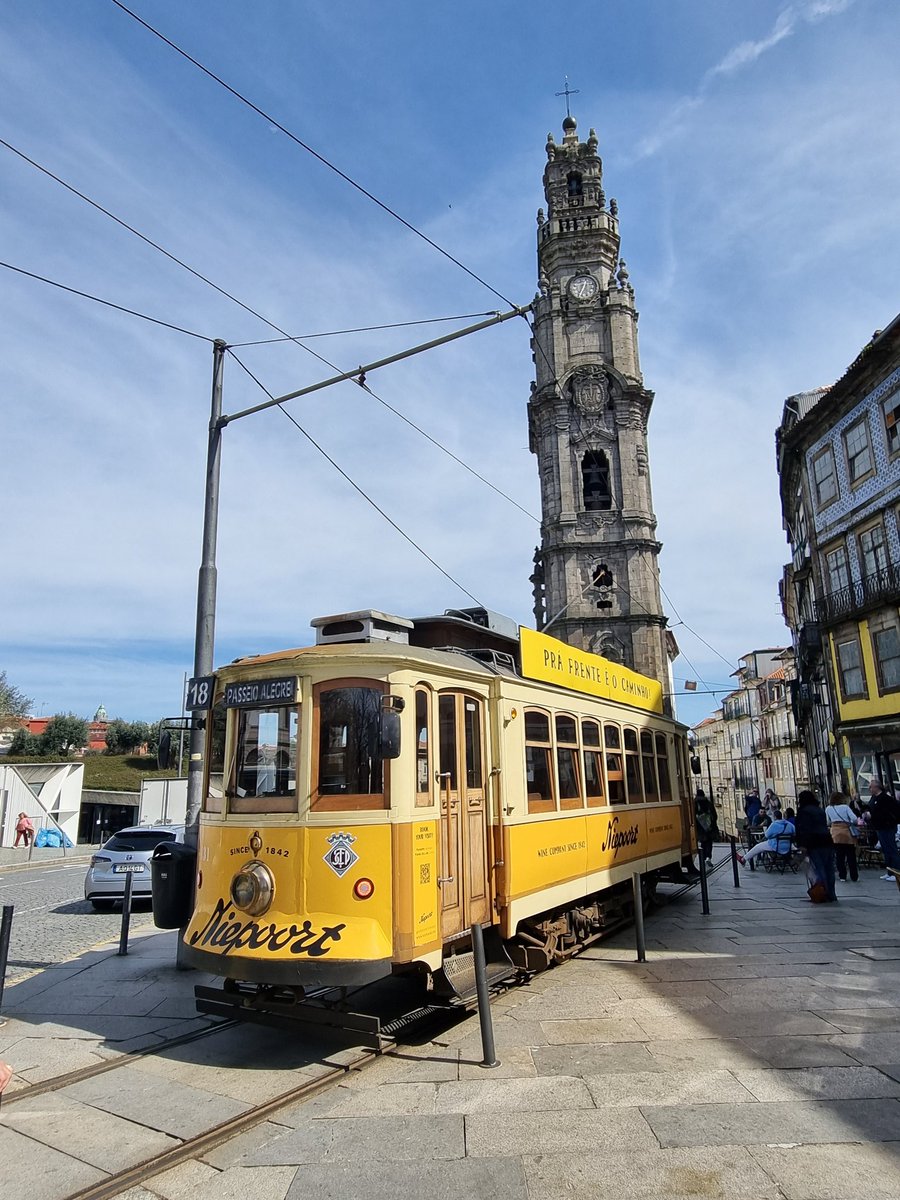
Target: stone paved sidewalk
[{"x": 755, "y": 1055}]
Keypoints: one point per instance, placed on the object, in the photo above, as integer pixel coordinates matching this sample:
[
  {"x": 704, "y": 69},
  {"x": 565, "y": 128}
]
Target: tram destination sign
[
  {"x": 552, "y": 661},
  {"x": 261, "y": 693}
]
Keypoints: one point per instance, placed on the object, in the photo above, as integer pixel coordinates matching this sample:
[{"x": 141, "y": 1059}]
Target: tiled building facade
[{"x": 839, "y": 467}]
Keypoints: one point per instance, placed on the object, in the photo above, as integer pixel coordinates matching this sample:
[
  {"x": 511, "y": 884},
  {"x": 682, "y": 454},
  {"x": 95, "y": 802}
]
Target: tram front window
[
  {"x": 265, "y": 762},
  {"x": 350, "y": 767}
]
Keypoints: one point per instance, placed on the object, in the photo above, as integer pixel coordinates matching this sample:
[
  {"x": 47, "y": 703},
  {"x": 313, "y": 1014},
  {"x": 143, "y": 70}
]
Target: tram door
[{"x": 464, "y": 868}]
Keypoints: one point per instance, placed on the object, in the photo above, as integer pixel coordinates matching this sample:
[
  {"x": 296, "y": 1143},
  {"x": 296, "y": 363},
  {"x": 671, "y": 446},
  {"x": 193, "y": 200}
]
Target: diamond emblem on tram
[{"x": 341, "y": 856}]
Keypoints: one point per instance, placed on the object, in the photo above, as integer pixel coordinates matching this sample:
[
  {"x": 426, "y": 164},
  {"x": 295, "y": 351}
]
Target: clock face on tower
[{"x": 583, "y": 287}]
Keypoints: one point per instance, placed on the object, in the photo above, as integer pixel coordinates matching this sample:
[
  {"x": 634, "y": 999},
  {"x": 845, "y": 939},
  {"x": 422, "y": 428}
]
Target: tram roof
[{"x": 453, "y": 659}]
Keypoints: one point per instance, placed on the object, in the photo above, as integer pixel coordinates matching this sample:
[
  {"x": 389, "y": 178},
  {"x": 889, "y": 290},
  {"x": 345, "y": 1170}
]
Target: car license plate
[{"x": 125, "y": 868}]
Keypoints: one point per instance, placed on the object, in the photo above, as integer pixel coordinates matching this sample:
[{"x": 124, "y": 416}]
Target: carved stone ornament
[{"x": 590, "y": 390}]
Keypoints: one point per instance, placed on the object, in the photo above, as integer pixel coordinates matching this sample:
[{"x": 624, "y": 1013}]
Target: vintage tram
[{"x": 370, "y": 798}]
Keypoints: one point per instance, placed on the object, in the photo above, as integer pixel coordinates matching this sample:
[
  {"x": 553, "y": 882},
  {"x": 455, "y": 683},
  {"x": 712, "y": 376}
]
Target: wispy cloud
[{"x": 740, "y": 57}]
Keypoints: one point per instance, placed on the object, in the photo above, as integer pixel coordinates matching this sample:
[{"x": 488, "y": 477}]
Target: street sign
[{"x": 200, "y": 692}]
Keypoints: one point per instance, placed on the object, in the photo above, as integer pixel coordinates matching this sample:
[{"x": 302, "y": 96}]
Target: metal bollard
[
  {"x": 5, "y": 931},
  {"x": 126, "y": 914},
  {"x": 484, "y": 1005},
  {"x": 734, "y": 863},
  {"x": 704, "y": 887},
  {"x": 639, "y": 918}
]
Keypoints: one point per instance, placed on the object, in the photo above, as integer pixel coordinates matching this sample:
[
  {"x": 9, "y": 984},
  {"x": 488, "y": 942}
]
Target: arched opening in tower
[
  {"x": 595, "y": 481},
  {"x": 573, "y": 180}
]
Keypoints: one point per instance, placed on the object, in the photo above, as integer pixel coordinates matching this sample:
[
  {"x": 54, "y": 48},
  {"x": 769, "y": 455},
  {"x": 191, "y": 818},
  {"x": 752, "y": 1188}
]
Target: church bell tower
[{"x": 596, "y": 580}]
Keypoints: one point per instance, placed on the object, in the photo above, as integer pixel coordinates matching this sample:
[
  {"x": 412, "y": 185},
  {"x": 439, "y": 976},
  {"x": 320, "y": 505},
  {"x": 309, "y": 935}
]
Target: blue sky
[{"x": 750, "y": 147}]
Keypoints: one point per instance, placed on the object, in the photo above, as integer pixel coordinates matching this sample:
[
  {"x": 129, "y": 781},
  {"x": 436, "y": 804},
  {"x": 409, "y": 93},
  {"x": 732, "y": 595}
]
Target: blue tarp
[{"x": 52, "y": 838}]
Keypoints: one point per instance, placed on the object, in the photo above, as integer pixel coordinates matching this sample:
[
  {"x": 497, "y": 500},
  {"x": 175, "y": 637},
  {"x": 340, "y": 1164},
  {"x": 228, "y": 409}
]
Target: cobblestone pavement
[
  {"x": 754, "y": 1056},
  {"x": 52, "y": 922}
]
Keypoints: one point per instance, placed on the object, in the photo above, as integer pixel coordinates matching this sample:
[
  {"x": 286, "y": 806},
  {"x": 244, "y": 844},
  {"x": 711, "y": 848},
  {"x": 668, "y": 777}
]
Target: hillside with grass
[{"x": 110, "y": 772}]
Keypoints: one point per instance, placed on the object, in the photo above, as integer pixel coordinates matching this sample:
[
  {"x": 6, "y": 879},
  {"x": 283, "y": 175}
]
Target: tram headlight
[{"x": 253, "y": 888}]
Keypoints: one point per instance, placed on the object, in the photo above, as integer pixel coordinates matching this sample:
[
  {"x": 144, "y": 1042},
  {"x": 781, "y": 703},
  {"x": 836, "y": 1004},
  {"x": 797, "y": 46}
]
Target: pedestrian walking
[
  {"x": 24, "y": 829},
  {"x": 843, "y": 825},
  {"x": 811, "y": 831},
  {"x": 884, "y": 813},
  {"x": 707, "y": 825}
]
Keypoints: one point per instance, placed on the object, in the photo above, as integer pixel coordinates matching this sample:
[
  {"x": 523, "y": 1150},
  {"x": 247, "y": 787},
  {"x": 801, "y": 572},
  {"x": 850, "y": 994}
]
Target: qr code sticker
[{"x": 425, "y": 873}]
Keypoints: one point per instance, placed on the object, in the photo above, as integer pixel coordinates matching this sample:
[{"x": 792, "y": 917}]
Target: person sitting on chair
[{"x": 779, "y": 838}]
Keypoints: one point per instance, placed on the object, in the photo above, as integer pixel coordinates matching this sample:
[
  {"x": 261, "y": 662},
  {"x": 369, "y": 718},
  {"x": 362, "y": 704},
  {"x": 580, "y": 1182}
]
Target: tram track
[
  {"x": 58, "y": 1082},
  {"x": 193, "y": 1147}
]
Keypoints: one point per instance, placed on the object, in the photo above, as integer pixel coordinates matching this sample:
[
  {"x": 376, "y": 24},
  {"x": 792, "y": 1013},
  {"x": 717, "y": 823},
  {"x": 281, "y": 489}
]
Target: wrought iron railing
[{"x": 879, "y": 587}]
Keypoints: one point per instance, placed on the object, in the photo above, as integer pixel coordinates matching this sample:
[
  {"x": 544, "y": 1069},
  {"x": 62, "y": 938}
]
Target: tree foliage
[
  {"x": 13, "y": 703},
  {"x": 24, "y": 745},
  {"x": 124, "y": 737},
  {"x": 64, "y": 733}
]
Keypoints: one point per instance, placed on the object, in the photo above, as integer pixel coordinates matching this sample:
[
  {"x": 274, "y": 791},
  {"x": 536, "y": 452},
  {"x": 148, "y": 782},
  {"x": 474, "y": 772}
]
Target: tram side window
[
  {"x": 632, "y": 767},
  {"x": 648, "y": 763},
  {"x": 615, "y": 776},
  {"x": 447, "y": 736},
  {"x": 264, "y": 777},
  {"x": 567, "y": 762},
  {"x": 593, "y": 764},
  {"x": 474, "y": 766},
  {"x": 214, "y": 798},
  {"x": 349, "y": 769},
  {"x": 423, "y": 751},
  {"x": 538, "y": 763},
  {"x": 662, "y": 764}
]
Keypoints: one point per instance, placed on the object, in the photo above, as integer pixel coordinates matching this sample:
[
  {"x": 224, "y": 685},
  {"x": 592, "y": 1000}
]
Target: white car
[{"x": 127, "y": 852}]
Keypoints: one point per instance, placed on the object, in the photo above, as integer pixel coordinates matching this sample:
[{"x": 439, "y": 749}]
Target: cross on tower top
[{"x": 567, "y": 92}]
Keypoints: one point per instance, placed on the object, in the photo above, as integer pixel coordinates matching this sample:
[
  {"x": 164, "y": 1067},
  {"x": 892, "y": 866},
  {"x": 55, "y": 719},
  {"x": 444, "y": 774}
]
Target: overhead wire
[
  {"x": 132, "y": 312},
  {"x": 359, "y": 329},
  {"x": 332, "y": 167},
  {"x": 309, "y": 149},
  {"x": 286, "y": 337},
  {"x": 368, "y": 499}
]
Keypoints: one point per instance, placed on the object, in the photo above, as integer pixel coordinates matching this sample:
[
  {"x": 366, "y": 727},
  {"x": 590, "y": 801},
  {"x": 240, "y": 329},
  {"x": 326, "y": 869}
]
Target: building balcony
[
  {"x": 881, "y": 587},
  {"x": 809, "y": 641}
]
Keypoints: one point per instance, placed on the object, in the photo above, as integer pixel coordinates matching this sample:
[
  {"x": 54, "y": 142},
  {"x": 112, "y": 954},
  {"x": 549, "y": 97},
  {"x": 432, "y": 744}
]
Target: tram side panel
[{"x": 552, "y": 859}]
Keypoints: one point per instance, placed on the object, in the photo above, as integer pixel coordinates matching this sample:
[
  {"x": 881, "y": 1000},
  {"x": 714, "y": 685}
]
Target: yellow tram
[{"x": 369, "y": 798}]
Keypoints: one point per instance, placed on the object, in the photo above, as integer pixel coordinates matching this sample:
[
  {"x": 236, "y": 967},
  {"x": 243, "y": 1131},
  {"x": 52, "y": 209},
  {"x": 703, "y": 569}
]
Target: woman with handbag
[
  {"x": 843, "y": 824},
  {"x": 812, "y": 836}
]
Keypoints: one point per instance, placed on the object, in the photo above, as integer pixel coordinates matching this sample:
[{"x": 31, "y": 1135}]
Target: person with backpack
[{"x": 884, "y": 813}]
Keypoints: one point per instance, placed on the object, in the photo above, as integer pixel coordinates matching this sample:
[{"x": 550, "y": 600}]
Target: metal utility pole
[{"x": 204, "y": 643}]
